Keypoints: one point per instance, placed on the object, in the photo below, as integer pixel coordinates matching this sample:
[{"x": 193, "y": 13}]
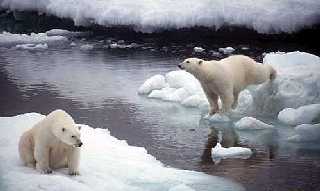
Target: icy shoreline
[
  {"x": 106, "y": 164},
  {"x": 266, "y": 17}
]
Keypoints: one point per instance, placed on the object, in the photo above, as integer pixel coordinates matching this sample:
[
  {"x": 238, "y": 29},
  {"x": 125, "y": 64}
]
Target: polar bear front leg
[
  {"x": 42, "y": 156},
  {"x": 212, "y": 99},
  {"x": 235, "y": 100},
  {"x": 74, "y": 160}
]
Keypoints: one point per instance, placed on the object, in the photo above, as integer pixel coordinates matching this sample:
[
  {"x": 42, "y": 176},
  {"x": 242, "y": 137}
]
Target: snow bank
[
  {"x": 297, "y": 84},
  {"x": 32, "y": 46},
  {"x": 106, "y": 164},
  {"x": 302, "y": 115},
  {"x": 143, "y": 15},
  {"x": 306, "y": 133},
  {"x": 219, "y": 152},
  {"x": 251, "y": 123},
  {"x": 9, "y": 39}
]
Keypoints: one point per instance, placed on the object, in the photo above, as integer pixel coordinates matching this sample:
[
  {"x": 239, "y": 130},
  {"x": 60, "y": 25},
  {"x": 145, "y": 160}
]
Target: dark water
[{"x": 99, "y": 87}]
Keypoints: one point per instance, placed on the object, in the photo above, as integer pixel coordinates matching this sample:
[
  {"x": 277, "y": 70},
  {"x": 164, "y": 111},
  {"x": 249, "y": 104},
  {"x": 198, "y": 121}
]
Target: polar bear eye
[
  {"x": 63, "y": 129},
  {"x": 200, "y": 62},
  {"x": 187, "y": 62},
  {"x": 73, "y": 136}
]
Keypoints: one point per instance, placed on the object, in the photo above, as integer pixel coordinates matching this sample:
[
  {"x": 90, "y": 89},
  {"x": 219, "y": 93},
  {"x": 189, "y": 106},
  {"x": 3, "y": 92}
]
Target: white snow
[
  {"x": 306, "y": 133},
  {"x": 219, "y": 152},
  {"x": 32, "y": 46},
  {"x": 302, "y": 115},
  {"x": 122, "y": 46},
  {"x": 297, "y": 84},
  {"x": 9, "y": 39},
  {"x": 265, "y": 16},
  {"x": 251, "y": 123},
  {"x": 86, "y": 47},
  {"x": 198, "y": 49},
  {"x": 226, "y": 50},
  {"x": 106, "y": 164}
]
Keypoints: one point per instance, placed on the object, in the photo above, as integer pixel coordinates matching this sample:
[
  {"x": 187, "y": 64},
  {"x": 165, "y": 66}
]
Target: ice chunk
[
  {"x": 219, "y": 152},
  {"x": 86, "y": 47},
  {"x": 306, "y": 133},
  {"x": 9, "y": 39},
  {"x": 302, "y": 115},
  {"x": 154, "y": 83},
  {"x": 297, "y": 83},
  {"x": 147, "y": 16},
  {"x": 227, "y": 50},
  {"x": 198, "y": 49},
  {"x": 251, "y": 123},
  {"x": 32, "y": 46},
  {"x": 62, "y": 32},
  {"x": 106, "y": 164}
]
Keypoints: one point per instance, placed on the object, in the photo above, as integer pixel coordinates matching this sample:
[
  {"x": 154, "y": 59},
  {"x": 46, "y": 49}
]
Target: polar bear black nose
[
  {"x": 80, "y": 144},
  {"x": 180, "y": 66}
]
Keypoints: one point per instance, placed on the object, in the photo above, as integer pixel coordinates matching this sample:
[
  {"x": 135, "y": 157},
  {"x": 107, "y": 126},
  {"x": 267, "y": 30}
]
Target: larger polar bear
[
  {"x": 226, "y": 78},
  {"x": 52, "y": 143}
]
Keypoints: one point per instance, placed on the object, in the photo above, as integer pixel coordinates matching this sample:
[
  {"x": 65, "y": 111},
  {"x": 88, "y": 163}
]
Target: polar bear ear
[{"x": 200, "y": 62}]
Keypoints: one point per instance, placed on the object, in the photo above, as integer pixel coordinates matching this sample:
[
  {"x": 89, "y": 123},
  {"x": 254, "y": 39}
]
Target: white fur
[
  {"x": 226, "y": 78},
  {"x": 49, "y": 144}
]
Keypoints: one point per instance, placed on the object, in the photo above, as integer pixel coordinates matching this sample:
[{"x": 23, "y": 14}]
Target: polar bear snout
[
  {"x": 79, "y": 144},
  {"x": 181, "y": 66}
]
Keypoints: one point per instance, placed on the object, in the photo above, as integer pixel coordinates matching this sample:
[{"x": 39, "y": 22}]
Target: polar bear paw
[
  {"x": 74, "y": 172},
  {"x": 46, "y": 171}
]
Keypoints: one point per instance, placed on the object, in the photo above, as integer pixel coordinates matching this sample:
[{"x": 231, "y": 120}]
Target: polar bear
[
  {"x": 52, "y": 143},
  {"x": 226, "y": 78}
]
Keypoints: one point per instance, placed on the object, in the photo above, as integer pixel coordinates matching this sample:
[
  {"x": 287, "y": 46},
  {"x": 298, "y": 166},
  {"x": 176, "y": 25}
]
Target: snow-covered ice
[
  {"x": 220, "y": 152},
  {"x": 266, "y": 16},
  {"x": 297, "y": 84},
  {"x": 9, "y": 39},
  {"x": 198, "y": 49},
  {"x": 251, "y": 123},
  {"x": 302, "y": 115},
  {"x": 226, "y": 50},
  {"x": 106, "y": 164},
  {"x": 306, "y": 133},
  {"x": 32, "y": 46}
]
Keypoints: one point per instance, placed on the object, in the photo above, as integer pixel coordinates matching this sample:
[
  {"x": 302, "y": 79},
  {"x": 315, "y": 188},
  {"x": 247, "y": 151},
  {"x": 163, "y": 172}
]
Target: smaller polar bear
[
  {"x": 226, "y": 78},
  {"x": 52, "y": 143}
]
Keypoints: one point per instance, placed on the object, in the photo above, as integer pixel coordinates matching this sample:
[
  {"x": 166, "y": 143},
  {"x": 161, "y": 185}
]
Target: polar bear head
[
  {"x": 64, "y": 128},
  {"x": 191, "y": 65}
]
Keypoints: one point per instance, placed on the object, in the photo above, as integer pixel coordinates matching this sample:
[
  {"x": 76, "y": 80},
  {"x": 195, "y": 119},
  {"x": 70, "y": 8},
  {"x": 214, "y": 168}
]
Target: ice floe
[
  {"x": 297, "y": 84},
  {"x": 9, "y": 39},
  {"x": 106, "y": 164},
  {"x": 220, "y": 152}
]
